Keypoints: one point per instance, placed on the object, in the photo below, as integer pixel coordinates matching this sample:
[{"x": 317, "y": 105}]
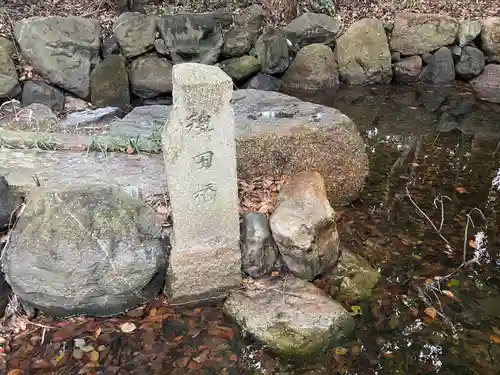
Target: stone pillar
[{"x": 200, "y": 163}]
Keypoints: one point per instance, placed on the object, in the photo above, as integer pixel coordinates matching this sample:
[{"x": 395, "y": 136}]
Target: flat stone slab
[
  {"x": 55, "y": 169},
  {"x": 290, "y": 316}
]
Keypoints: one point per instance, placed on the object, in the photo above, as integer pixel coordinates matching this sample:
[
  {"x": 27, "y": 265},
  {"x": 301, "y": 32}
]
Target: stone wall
[{"x": 134, "y": 65}]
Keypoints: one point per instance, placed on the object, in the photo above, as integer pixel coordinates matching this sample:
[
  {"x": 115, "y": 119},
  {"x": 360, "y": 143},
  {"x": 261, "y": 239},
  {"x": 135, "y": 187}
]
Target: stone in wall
[
  {"x": 194, "y": 37},
  {"x": 415, "y": 34},
  {"x": 272, "y": 50},
  {"x": 470, "y": 64},
  {"x": 151, "y": 76},
  {"x": 363, "y": 54},
  {"x": 490, "y": 38},
  {"x": 109, "y": 84},
  {"x": 312, "y": 28},
  {"x": 468, "y": 31},
  {"x": 441, "y": 69},
  {"x": 237, "y": 42},
  {"x": 253, "y": 18},
  {"x": 314, "y": 68},
  {"x": 407, "y": 70},
  {"x": 487, "y": 85},
  {"x": 263, "y": 82},
  {"x": 9, "y": 85},
  {"x": 61, "y": 49},
  {"x": 135, "y": 33},
  {"x": 41, "y": 92},
  {"x": 240, "y": 68}
]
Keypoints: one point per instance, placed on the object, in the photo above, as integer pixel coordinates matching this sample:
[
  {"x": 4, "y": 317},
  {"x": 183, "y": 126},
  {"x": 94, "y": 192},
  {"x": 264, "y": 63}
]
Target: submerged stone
[
  {"x": 354, "y": 278},
  {"x": 292, "y": 317}
]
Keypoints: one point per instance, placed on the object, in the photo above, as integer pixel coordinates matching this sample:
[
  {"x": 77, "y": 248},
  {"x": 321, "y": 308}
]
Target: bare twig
[{"x": 438, "y": 231}]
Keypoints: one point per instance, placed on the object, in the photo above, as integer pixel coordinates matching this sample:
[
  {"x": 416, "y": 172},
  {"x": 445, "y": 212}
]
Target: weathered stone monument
[{"x": 200, "y": 163}]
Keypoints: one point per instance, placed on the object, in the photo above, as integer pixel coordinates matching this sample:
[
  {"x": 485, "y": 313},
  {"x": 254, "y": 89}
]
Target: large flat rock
[
  {"x": 279, "y": 134},
  {"x": 276, "y": 134},
  {"x": 56, "y": 169}
]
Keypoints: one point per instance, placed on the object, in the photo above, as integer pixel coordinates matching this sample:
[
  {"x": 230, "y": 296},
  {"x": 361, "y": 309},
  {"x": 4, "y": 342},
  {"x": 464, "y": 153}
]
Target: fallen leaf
[
  {"x": 15, "y": 372},
  {"x": 275, "y": 273},
  {"x": 430, "y": 312},
  {"x": 77, "y": 354},
  {"x": 356, "y": 310},
  {"x": 94, "y": 356},
  {"x": 495, "y": 339},
  {"x": 340, "y": 351},
  {"x": 128, "y": 327}
]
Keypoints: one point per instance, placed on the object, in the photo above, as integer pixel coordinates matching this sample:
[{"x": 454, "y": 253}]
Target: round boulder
[
  {"x": 314, "y": 68},
  {"x": 87, "y": 251}
]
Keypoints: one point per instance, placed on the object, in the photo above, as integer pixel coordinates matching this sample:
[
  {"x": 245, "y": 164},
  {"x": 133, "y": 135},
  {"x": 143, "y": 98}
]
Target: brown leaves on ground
[
  {"x": 154, "y": 338},
  {"x": 259, "y": 194},
  {"x": 255, "y": 195}
]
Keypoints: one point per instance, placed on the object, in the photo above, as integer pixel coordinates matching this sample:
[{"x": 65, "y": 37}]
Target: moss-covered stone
[
  {"x": 314, "y": 68},
  {"x": 292, "y": 317},
  {"x": 240, "y": 68},
  {"x": 109, "y": 85},
  {"x": 92, "y": 250},
  {"x": 354, "y": 278}
]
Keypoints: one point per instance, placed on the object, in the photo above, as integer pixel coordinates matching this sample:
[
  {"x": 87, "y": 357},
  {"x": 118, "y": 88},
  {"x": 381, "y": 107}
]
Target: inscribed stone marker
[{"x": 200, "y": 163}]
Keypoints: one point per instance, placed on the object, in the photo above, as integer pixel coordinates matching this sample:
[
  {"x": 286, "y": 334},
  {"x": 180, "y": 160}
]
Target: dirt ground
[{"x": 347, "y": 10}]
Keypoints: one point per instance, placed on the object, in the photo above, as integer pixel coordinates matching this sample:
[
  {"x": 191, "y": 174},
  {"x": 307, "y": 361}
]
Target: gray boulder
[
  {"x": 441, "y": 69},
  {"x": 150, "y": 76},
  {"x": 471, "y": 63},
  {"x": 468, "y": 30},
  {"x": 109, "y": 85},
  {"x": 263, "y": 82},
  {"x": 363, "y": 55},
  {"x": 258, "y": 250},
  {"x": 314, "y": 68},
  {"x": 9, "y": 84},
  {"x": 240, "y": 68},
  {"x": 253, "y": 18},
  {"x": 61, "y": 49},
  {"x": 110, "y": 47},
  {"x": 272, "y": 51},
  {"x": 193, "y": 37},
  {"x": 312, "y": 28},
  {"x": 291, "y": 317},
  {"x": 238, "y": 42},
  {"x": 490, "y": 38},
  {"x": 41, "y": 92},
  {"x": 304, "y": 227},
  {"x": 10, "y": 202},
  {"x": 487, "y": 84},
  {"x": 88, "y": 251},
  {"x": 407, "y": 71},
  {"x": 7, "y": 45},
  {"x": 135, "y": 33},
  {"x": 416, "y": 33}
]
